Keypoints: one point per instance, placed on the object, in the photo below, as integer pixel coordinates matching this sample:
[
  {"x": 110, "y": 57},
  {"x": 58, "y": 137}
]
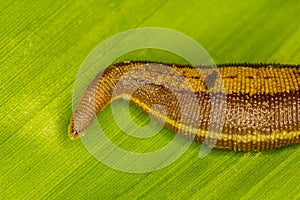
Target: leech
[{"x": 262, "y": 100}]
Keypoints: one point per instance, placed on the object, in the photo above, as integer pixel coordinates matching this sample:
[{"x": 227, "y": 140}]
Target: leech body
[{"x": 262, "y": 100}]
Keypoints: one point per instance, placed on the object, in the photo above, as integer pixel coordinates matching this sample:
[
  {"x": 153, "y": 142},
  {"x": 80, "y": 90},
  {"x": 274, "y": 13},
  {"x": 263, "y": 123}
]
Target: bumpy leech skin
[{"x": 262, "y": 100}]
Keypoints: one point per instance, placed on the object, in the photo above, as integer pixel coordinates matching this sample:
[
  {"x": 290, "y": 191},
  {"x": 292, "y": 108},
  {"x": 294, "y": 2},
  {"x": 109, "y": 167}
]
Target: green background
[{"x": 42, "y": 45}]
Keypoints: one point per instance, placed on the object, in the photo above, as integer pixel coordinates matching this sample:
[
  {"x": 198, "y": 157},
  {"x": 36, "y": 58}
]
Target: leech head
[{"x": 73, "y": 133}]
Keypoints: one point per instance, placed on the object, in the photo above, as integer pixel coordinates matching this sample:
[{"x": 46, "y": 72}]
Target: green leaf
[{"x": 42, "y": 45}]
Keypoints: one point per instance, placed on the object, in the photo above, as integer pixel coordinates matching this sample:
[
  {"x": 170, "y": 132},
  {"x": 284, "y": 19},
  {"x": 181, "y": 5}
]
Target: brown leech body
[{"x": 262, "y": 100}]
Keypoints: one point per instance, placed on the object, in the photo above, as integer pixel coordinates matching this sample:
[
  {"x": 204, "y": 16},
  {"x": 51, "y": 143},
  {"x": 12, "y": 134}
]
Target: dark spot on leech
[
  {"x": 268, "y": 77},
  {"x": 210, "y": 79},
  {"x": 195, "y": 77},
  {"x": 250, "y": 77},
  {"x": 231, "y": 77}
]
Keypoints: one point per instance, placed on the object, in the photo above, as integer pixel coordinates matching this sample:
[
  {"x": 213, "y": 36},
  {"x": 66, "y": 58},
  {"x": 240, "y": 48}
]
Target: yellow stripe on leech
[
  {"x": 239, "y": 79},
  {"x": 275, "y": 136}
]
